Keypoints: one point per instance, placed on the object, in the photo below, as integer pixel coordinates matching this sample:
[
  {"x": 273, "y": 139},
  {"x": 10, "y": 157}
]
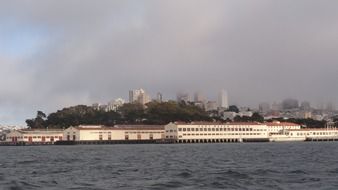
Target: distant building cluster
[
  {"x": 139, "y": 96},
  {"x": 291, "y": 108},
  {"x": 288, "y": 108},
  {"x": 111, "y": 106},
  {"x": 201, "y": 101}
]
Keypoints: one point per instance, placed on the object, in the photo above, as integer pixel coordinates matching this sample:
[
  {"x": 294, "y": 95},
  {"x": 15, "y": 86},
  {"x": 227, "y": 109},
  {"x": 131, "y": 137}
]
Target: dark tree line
[
  {"x": 153, "y": 113},
  {"x": 254, "y": 118}
]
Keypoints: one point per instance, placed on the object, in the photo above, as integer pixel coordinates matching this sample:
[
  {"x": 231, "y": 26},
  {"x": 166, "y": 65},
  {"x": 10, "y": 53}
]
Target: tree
[
  {"x": 256, "y": 117},
  {"x": 38, "y": 121},
  {"x": 41, "y": 114},
  {"x": 132, "y": 112},
  {"x": 233, "y": 108}
]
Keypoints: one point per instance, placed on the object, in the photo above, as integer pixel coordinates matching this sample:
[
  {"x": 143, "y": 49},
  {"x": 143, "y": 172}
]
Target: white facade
[
  {"x": 139, "y": 96},
  {"x": 119, "y": 132},
  {"x": 215, "y": 132},
  {"x": 306, "y": 134},
  {"x": 35, "y": 136},
  {"x": 279, "y": 127},
  {"x": 114, "y": 105}
]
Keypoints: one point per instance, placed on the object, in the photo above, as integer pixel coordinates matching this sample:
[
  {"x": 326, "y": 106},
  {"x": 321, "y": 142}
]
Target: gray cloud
[{"x": 81, "y": 52}]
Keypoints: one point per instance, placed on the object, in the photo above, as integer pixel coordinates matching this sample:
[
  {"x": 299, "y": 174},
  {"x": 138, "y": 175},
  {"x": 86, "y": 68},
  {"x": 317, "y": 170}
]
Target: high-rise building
[
  {"x": 223, "y": 99},
  {"x": 159, "y": 97},
  {"x": 143, "y": 98},
  {"x": 134, "y": 94},
  {"x": 139, "y": 96}
]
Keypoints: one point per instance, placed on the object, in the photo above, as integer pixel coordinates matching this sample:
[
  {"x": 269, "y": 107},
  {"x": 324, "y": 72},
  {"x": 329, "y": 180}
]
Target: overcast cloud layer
[{"x": 61, "y": 53}]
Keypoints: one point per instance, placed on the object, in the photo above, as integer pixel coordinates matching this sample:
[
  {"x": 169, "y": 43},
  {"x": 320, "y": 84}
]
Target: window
[
  {"x": 179, "y": 129},
  {"x": 188, "y": 129},
  {"x": 184, "y": 129}
]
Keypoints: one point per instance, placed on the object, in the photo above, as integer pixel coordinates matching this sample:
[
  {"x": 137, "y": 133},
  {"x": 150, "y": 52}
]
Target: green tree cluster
[
  {"x": 152, "y": 113},
  {"x": 254, "y": 118}
]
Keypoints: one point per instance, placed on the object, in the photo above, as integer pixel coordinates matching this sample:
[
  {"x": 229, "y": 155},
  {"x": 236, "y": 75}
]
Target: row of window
[
  {"x": 216, "y": 129},
  {"x": 213, "y": 134},
  {"x": 144, "y": 132},
  {"x": 34, "y": 137},
  {"x": 317, "y": 133}
]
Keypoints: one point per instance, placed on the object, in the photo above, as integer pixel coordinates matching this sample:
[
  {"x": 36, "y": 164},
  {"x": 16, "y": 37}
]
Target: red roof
[{"x": 125, "y": 127}]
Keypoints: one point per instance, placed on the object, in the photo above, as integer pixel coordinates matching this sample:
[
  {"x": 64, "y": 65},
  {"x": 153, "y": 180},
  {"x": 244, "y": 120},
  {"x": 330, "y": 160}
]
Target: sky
[{"x": 60, "y": 53}]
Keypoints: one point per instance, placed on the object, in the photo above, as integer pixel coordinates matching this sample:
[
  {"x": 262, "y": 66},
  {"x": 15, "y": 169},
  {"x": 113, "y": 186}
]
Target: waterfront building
[
  {"x": 197, "y": 132},
  {"x": 35, "y": 136},
  {"x": 118, "y": 132},
  {"x": 310, "y": 134},
  {"x": 200, "y": 132},
  {"x": 223, "y": 99},
  {"x": 280, "y": 127}
]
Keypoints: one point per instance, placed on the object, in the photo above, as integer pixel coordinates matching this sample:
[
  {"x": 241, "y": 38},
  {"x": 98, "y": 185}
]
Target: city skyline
[{"x": 54, "y": 54}]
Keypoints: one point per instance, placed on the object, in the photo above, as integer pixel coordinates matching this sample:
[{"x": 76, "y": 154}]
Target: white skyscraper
[
  {"x": 134, "y": 95},
  {"x": 223, "y": 99},
  {"x": 139, "y": 96}
]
